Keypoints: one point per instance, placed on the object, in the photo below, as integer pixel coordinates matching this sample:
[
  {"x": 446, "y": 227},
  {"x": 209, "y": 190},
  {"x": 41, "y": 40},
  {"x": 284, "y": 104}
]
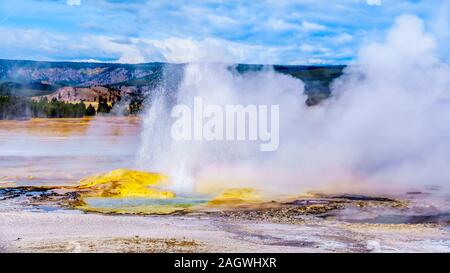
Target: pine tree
[
  {"x": 90, "y": 111},
  {"x": 103, "y": 106}
]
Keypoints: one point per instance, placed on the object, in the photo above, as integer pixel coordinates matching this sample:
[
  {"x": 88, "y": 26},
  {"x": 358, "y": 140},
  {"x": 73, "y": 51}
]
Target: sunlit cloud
[
  {"x": 288, "y": 31},
  {"x": 374, "y": 2},
  {"x": 73, "y": 2},
  {"x": 310, "y": 26}
]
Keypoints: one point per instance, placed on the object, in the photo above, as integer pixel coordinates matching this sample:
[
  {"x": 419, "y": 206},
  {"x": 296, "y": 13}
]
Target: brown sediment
[
  {"x": 293, "y": 211},
  {"x": 65, "y": 127},
  {"x": 134, "y": 244},
  {"x": 136, "y": 210},
  {"x": 7, "y": 184}
]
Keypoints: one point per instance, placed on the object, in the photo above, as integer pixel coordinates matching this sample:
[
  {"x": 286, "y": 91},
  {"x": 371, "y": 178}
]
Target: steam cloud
[{"x": 385, "y": 126}]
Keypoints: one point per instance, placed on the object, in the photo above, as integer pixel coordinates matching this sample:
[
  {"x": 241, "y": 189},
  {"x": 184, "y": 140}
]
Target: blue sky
[{"x": 267, "y": 31}]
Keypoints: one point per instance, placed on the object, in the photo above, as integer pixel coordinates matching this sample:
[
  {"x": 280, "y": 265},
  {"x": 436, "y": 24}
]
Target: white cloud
[
  {"x": 268, "y": 25},
  {"x": 316, "y": 61},
  {"x": 73, "y": 2},
  {"x": 51, "y": 46},
  {"x": 310, "y": 26},
  {"x": 307, "y": 48},
  {"x": 342, "y": 38},
  {"x": 179, "y": 50},
  {"x": 128, "y": 52},
  {"x": 281, "y": 25},
  {"x": 374, "y": 2},
  {"x": 222, "y": 21}
]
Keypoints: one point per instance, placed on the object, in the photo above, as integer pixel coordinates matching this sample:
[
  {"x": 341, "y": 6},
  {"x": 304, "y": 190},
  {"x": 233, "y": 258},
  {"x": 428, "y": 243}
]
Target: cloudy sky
[{"x": 266, "y": 31}]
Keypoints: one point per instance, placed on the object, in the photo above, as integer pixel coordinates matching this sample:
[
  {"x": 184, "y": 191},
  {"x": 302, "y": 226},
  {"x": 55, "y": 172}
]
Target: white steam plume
[
  {"x": 386, "y": 125},
  {"x": 188, "y": 161}
]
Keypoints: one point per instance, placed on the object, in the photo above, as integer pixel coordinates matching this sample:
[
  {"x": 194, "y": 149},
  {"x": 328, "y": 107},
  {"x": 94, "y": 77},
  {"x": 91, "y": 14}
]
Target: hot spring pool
[{"x": 141, "y": 205}]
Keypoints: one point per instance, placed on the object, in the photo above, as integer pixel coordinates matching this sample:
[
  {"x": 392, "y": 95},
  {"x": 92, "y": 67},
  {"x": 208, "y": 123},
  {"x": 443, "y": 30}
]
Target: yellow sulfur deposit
[
  {"x": 236, "y": 196},
  {"x": 125, "y": 191},
  {"x": 125, "y": 183}
]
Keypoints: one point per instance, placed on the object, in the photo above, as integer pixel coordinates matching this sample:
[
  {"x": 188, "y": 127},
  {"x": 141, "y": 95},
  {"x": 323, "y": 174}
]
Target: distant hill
[
  {"x": 27, "y": 89},
  {"x": 53, "y": 79},
  {"x": 73, "y": 73},
  {"x": 83, "y": 94}
]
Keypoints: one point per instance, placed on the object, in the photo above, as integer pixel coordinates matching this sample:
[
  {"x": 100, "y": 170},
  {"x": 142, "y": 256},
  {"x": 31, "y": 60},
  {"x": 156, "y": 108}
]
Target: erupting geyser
[
  {"x": 205, "y": 162},
  {"x": 385, "y": 126}
]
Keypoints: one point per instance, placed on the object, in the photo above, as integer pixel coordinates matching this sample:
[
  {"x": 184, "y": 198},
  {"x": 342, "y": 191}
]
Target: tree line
[{"x": 12, "y": 107}]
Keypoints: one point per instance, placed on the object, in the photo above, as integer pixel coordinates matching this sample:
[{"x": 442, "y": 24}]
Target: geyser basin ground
[
  {"x": 309, "y": 224},
  {"x": 46, "y": 218}
]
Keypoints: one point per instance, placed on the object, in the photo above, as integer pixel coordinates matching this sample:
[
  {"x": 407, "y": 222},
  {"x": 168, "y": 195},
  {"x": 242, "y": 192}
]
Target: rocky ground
[
  {"x": 39, "y": 220},
  {"x": 63, "y": 232}
]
